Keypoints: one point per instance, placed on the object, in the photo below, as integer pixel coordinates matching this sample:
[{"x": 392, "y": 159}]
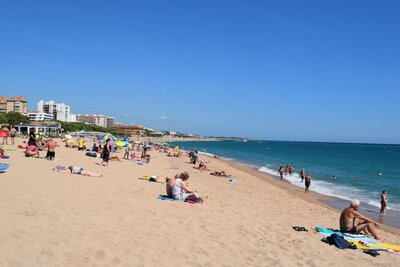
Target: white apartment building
[
  {"x": 60, "y": 111},
  {"x": 39, "y": 116}
]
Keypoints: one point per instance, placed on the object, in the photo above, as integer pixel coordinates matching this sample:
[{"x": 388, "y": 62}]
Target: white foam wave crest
[{"x": 331, "y": 189}]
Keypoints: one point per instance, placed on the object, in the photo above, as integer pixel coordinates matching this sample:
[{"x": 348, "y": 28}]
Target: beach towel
[
  {"x": 165, "y": 197},
  {"x": 361, "y": 241},
  {"x": 3, "y": 167}
]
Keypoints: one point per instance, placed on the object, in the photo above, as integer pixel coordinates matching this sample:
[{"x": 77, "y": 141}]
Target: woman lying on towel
[
  {"x": 76, "y": 170},
  {"x": 220, "y": 174}
]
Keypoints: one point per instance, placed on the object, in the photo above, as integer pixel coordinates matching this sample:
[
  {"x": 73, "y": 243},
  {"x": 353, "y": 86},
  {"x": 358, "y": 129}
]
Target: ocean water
[{"x": 376, "y": 166}]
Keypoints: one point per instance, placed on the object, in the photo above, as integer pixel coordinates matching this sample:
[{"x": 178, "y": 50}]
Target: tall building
[
  {"x": 60, "y": 111},
  {"x": 99, "y": 120},
  {"x": 16, "y": 104}
]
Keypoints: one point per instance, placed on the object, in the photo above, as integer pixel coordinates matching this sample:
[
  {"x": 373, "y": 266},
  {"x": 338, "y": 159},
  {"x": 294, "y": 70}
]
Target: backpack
[{"x": 339, "y": 242}]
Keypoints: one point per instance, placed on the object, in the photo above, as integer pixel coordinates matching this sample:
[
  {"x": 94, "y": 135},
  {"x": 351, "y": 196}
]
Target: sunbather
[
  {"x": 202, "y": 166},
  {"x": 220, "y": 174},
  {"x": 159, "y": 179},
  {"x": 76, "y": 170}
]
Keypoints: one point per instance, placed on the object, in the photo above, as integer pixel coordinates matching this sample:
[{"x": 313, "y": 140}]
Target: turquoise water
[{"x": 323, "y": 160}]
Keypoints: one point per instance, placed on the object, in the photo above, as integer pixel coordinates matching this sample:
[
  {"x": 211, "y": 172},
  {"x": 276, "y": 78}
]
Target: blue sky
[{"x": 279, "y": 70}]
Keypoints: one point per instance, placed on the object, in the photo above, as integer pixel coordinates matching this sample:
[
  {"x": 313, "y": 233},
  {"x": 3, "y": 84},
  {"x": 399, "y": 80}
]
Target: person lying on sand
[
  {"x": 75, "y": 170},
  {"x": 114, "y": 156},
  {"x": 159, "y": 179},
  {"x": 220, "y": 174},
  {"x": 352, "y": 222}
]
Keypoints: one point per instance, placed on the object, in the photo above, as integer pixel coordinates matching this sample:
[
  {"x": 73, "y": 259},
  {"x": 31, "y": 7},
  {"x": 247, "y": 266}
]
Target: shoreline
[{"x": 333, "y": 203}]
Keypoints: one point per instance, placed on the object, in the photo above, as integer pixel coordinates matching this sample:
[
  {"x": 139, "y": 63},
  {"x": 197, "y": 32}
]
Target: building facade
[
  {"x": 99, "y": 120},
  {"x": 60, "y": 111},
  {"x": 129, "y": 129},
  {"x": 39, "y": 116},
  {"x": 16, "y": 104}
]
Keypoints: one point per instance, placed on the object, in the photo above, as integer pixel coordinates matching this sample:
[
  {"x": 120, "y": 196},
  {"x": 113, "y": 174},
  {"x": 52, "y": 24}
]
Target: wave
[{"x": 331, "y": 189}]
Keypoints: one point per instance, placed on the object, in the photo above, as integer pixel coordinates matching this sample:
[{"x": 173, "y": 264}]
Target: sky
[{"x": 273, "y": 70}]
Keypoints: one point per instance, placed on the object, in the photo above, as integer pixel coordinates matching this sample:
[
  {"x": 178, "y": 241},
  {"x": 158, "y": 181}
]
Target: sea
[{"x": 362, "y": 170}]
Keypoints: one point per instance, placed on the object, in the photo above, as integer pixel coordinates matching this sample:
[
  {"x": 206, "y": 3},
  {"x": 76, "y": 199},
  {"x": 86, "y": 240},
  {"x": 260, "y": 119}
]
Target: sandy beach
[{"x": 56, "y": 219}]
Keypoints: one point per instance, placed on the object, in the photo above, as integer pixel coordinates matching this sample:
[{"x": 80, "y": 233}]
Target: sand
[{"x": 55, "y": 219}]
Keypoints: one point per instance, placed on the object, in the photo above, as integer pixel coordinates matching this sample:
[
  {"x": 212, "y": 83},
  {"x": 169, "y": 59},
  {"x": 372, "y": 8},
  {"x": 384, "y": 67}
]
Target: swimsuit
[
  {"x": 351, "y": 231},
  {"x": 79, "y": 171}
]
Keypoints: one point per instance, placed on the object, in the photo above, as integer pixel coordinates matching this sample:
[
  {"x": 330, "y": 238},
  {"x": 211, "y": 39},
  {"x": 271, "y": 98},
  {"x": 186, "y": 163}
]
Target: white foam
[{"x": 331, "y": 189}]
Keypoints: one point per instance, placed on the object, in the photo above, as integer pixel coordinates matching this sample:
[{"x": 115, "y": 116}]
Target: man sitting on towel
[{"x": 353, "y": 222}]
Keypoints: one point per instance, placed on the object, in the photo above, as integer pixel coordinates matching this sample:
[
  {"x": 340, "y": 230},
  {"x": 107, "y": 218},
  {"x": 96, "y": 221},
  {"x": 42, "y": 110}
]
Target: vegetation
[
  {"x": 13, "y": 118},
  {"x": 79, "y": 126}
]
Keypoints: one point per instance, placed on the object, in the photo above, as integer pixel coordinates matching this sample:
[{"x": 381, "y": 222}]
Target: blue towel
[{"x": 164, "y": 197}]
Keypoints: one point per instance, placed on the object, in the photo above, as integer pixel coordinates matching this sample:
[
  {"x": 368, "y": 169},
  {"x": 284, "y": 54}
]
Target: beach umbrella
[
  {"x": 176, "y": 149},
  {"x": 3, "y": 134},
  {"x": 104, "y": 137},
  {"x": 70, "y": 141},
  {"x": 121, "y": 143}
]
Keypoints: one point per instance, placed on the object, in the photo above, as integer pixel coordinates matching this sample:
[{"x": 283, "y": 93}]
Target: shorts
[
  {"x": 13, "y": 135},
  {"x": 308, "y": 184},
  {"x": 51, "y": 154},
  {"x": 351, "y": 231}
]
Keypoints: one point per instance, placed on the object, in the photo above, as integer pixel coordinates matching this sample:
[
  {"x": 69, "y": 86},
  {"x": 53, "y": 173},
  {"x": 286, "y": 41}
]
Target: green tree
[{"x": 13, "y": 118}]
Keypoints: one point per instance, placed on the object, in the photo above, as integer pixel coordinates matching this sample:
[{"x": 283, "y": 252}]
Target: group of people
[
  {"x": 9, "y": 131},
  {"x": 36, "y": 144}
]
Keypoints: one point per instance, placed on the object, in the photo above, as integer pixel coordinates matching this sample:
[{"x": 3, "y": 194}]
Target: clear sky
[{"x": 276, "y": 70}]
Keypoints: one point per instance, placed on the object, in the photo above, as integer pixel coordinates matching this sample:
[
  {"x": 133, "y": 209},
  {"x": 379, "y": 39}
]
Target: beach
[{"x": 57, "y": 219}]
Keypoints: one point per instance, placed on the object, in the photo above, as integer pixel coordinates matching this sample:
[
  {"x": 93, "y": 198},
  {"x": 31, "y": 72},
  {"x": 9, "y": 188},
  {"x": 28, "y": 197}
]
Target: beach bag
[
  {"x": 339, "y": 241},
  {"x": 193, "y": 199}
]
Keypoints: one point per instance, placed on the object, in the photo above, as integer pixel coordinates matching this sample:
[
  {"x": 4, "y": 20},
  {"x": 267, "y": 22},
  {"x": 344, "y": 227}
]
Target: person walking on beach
[
  {"x": 302, "y": 175},
  {"x": 352, "y": 222},
  {"x": 282, "y": 171},
  {"x": 51, "y": 149},
  {"x": 13, "y": 134},
  {"x": 307, "y": 182},
  {"x": 105, "y": 154},
  {"x": 383, "y": 202}
]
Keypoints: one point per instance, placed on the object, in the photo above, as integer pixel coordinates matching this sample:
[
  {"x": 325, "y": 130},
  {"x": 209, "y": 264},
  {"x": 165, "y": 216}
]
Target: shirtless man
[
  {"x": 383, "y": 202},
  {"x": 307, "y": 182},
  {"x": 353, "y": 222},
  {"x": 13, "y": 134},
  {"x": 302, "y": 174},
  {"x": 51, "y": 149}
]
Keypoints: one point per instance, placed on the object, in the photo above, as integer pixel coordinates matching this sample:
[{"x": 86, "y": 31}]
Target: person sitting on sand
[
  {"x": 95, "y": 148},
  {"x": 114, "y": 156},
  {"x": 220, "y": 174},
  {"x": 351, "y": 221},
  {"x": 81, "y": 145},
  {"x": 31, "y": 151},
  {"x": 202, "y": 166},
  {"x": 180, "y": 190},
  {"x": 170, "y": 184},
  {"x": 75, "y": 170}
]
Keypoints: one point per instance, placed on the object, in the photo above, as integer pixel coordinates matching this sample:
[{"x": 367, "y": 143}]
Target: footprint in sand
[{"x": 100, "y": 255}]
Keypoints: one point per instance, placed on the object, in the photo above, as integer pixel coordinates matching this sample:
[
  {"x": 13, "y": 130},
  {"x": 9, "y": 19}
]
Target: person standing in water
[
  {"x": 307, "y": 183},
  {"x": 281, "y": 171},
  {"x": 383, "y": 202},
  {"x": 302, "y": 174}
]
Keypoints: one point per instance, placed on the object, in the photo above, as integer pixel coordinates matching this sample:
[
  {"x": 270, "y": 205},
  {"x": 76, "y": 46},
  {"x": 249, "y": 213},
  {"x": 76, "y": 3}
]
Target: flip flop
[{"x": 300, "y": 229}]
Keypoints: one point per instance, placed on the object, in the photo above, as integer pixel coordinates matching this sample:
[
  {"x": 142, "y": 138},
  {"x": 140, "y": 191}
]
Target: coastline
[
  {"x": 61, "y": 219},
  {"x": 330, "y": 202}
]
